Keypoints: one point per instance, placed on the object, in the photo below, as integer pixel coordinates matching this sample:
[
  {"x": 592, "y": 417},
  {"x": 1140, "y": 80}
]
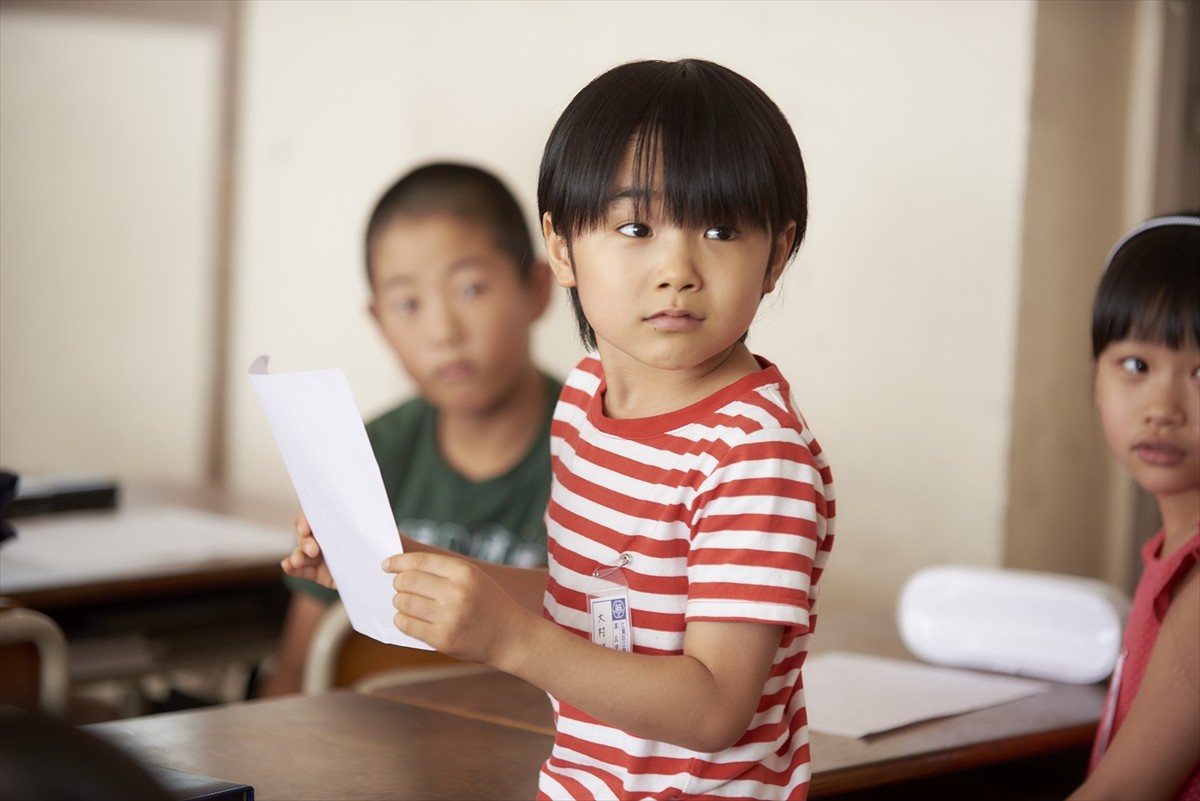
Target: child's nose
[
  {"x": 443, "y": 321},
  {"x": 677, "y": 269},
  {"x": 1166, "y": 405}
]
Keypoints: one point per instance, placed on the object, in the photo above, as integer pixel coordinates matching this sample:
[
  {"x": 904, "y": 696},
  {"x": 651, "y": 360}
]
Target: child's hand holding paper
[{"x": 307, "y": 562}]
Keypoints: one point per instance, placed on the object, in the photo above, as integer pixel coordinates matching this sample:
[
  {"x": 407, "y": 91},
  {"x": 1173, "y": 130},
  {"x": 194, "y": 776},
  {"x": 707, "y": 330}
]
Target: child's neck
[
  {"x": 635, "y": 390},
  {"x": 484, "y": 445},
  {"x": 1180, "y": 513}
]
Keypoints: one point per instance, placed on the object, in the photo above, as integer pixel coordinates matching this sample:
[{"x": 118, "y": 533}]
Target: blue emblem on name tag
[{"x": 618, "y": 609}]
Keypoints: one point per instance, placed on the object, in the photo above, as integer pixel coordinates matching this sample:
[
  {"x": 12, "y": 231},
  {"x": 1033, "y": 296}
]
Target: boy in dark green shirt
[{"x": 466, "y": 464}]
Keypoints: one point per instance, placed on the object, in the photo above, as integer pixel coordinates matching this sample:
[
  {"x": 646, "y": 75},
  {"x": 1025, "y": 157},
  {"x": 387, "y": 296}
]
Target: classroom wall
[
  {"x": 107, "y": 180},
  {"x": 1079, "y": 137},
  {"x": 897, "y": 323}
]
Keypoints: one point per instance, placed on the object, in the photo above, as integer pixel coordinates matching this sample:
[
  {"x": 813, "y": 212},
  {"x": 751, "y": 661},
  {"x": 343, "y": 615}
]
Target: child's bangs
[
  {"x": 708, "y": 148},
  {"x": 1165, "y": 319},
  {"x": 703, "y": 173},
  {"x": 1151, "y": 292}
]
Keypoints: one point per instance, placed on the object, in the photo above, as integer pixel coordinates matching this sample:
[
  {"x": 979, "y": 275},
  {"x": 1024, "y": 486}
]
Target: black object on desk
[
  {"x": 58, "y": 492},
  {"x": 46, "y": 758},
  {"x": 183, "y": 786},
  {"x": 8, "y": 491}
]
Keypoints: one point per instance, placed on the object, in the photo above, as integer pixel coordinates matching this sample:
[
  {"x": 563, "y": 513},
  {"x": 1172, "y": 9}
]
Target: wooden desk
[
  {"x": 492, "y": 696},
  {"x": 168, "y": 580},
  {"x": 485, "y": 735},
  {"x": 151, "y": 545},
  {"x": 1061, "y": 719},
  {"x": 340, "y": 745}
]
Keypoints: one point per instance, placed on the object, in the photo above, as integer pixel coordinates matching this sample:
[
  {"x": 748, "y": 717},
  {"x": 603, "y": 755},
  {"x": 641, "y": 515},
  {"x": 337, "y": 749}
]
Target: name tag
[
  {"x": 610, "y": 619},
  {"x": 608, "y": 604}
]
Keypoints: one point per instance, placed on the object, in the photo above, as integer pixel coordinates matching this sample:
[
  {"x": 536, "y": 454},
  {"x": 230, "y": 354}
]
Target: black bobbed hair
[{"x": 727, "y": 153}]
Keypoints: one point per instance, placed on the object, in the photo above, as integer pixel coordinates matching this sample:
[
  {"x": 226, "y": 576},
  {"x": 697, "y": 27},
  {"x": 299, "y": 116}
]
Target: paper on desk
[
  {"x": 324, "y": 445},
  {"x": 853, "y": 695}
]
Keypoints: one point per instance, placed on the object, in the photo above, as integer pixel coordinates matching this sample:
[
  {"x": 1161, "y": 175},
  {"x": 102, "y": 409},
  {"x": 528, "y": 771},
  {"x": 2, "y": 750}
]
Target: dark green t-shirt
[{"x": 497, "y": 520}]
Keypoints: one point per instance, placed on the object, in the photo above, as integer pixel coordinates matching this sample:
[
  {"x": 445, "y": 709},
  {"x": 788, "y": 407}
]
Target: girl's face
[
  {"x": 660, "y": 296},
  {"x": 1149, "y": 400}
]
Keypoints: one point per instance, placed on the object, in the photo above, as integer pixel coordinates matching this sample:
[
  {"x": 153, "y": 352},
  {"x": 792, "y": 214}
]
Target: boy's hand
[
  {"x": 306, "y": 561},
  {"x": 453, "y": 606}
]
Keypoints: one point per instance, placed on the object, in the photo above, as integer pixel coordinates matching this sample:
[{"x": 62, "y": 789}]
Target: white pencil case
[{"x": 1043, "y": 625}]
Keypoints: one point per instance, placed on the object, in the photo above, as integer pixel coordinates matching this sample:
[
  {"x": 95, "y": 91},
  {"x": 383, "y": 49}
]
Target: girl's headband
[{"x": 1154, "y": 222}]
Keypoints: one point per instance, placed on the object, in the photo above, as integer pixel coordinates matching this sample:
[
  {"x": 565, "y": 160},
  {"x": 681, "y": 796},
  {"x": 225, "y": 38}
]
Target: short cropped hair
[
  {"x": 728, "y": 154},
  {"x": 463, "y": 191},
  {"x": 1150, "y": 290}
]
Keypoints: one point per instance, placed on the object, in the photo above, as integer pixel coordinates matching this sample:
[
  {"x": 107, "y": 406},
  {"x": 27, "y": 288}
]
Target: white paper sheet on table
[
  {"x": 320, "y": 434},
  {"x": 853, "y": 695}
]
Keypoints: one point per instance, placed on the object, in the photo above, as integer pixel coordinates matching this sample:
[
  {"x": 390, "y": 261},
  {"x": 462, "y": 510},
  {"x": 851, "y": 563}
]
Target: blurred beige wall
[
  {"x": 106, "y": 213},
  {"x": 898, "y": 323},
  {"x": 1079, "y": 139},
  {"x": 895, "y": 324}
]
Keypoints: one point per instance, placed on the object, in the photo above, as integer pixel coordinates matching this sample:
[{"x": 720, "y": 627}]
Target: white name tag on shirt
[
  {"x": 610, "y": 619},
  {"x": 608, "y": 604}
]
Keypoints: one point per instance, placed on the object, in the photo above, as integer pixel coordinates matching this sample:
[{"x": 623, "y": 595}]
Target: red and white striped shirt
[{"x": 725, "y": 510}]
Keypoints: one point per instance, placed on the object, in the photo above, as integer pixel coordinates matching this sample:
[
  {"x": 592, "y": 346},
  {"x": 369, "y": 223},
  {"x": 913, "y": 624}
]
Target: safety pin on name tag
[{"x": 608, "y": 606}]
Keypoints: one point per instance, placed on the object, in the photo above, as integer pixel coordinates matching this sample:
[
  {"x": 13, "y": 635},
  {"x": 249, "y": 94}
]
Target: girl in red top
[{"x": 1146, "y": 343}]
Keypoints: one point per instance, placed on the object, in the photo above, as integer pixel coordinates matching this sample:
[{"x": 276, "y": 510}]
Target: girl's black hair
[
  {"x": 461, "y": 190},
  {"x": 727, "y": 153},
  {"x": 1150, "y": 290}
]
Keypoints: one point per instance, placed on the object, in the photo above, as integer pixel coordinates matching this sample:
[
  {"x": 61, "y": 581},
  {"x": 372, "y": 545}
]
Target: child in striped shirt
[{"x": 691, "y": 510}]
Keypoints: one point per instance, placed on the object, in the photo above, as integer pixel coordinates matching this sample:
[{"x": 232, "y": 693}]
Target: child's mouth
[
  {"x": 1159, "y": 454},
  {"x": 455, "y": 371},
  {"x": 674, "y": 321}
]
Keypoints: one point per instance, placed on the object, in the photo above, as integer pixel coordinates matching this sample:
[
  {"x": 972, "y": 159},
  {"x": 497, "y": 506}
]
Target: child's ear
[
  {"x": 781, "y": 248},
  {"x": 373, "y": 310},
  {"x": 557, "y": 253}
]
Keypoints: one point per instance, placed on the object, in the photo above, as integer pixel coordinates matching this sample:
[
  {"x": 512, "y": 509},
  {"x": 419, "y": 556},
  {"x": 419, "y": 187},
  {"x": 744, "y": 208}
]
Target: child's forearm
[{"x": 703, "y": 700}]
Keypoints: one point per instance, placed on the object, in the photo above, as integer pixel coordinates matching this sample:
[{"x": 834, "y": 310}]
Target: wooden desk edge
[
  {"x": 218, "y": 578},
  {"x": 949, "y": 760}
]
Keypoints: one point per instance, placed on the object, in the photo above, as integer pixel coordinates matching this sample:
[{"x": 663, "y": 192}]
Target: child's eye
[
  {"x": 1133, "y": 365},
  {"x": 635, "y": 229},
  {"x": 722, "y": 233},
  {"x": 472, "y": 290},
  {"x": 403, "y": 306}
]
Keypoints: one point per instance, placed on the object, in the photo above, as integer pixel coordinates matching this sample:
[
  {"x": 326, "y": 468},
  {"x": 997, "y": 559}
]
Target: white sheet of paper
[
  {"x": 320, "y": 434},
  {"x": 853, "y": 695}
]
